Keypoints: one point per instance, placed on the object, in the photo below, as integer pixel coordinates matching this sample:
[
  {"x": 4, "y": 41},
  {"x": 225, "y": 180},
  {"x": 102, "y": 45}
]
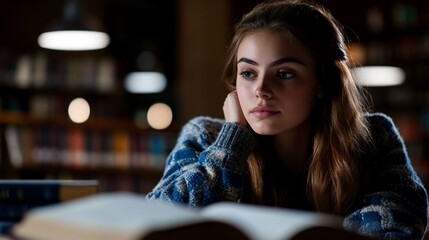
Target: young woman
[{"x": 296, "y": 133}]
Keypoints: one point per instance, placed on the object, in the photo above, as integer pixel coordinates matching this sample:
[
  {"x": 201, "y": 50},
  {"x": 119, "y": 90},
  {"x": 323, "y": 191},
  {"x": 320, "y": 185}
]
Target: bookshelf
[
  {"x": 400, "y": 41},
  {"x": 38, "y": 139},
  {"x": 395, "y": 33}
]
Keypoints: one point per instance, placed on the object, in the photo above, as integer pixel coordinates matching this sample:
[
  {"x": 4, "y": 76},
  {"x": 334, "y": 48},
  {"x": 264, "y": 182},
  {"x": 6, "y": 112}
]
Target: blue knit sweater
[{"x": 208, "y": 164}]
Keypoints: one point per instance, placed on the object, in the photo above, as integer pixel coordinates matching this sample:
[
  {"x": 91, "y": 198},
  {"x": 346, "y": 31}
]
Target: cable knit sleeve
[
  {"x": 394, "y": 204},
  {"x": 208, "y": 163}
]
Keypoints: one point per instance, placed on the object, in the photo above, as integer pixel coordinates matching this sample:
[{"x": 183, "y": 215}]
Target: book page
[
  {"x": 128, "y": 216},
  {"x": 114, "y": 216},
  {"x": 268, "y": 223}
]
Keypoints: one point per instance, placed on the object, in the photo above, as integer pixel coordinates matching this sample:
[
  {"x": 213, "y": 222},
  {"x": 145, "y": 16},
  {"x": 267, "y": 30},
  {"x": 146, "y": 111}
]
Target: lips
[{"x": 263, "y": 112}]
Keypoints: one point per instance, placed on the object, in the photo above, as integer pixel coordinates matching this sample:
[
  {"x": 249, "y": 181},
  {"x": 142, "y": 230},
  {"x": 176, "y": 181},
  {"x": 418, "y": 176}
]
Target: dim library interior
[{"x": 80, "y": 114}]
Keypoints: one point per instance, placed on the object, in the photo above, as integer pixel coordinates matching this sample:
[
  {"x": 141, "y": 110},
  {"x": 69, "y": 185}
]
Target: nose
[
  {"x": 260, "y": 93},
  {"x": 263, "y": 89}
]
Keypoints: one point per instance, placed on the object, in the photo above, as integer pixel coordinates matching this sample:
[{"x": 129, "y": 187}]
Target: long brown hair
[{"x": 340, "y": 128}]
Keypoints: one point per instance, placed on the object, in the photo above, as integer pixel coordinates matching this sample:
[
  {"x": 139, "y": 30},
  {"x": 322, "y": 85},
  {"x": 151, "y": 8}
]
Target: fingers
[{"x": 232, "y": 109}]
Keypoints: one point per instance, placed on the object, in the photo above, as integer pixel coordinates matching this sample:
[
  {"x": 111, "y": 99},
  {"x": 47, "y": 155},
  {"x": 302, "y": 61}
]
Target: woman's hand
[{"x": 232, "y": 109}]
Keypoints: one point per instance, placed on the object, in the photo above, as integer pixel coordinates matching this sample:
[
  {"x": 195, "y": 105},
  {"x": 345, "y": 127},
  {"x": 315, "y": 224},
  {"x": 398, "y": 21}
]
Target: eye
[
  {"x": 247, "y": 74},
  {"x": 285, "y": 74}
]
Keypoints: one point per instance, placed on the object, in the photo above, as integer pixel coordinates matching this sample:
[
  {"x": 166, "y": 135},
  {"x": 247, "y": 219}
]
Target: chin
[{"x": 263, "y": 130}]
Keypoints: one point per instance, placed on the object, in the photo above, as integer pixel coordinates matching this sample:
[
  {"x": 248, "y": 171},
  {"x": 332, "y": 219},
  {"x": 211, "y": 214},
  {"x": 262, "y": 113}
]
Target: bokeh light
[
  {"x": 159, "y": 116},
  {"x": 145, "y": 82},
  {"x": 378, "y": 76},
  {"x": 73, "y": 40},
  {"x": 79, "y": 110}
]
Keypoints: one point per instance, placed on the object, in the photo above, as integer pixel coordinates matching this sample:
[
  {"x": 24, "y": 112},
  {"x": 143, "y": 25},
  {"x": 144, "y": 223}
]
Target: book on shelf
[
  {"x": 129, "y": 216},
  {"x": 19, "y": 196},
  {"x": 45, "y": 190},
  {"x": 41, "y": 70},
  {"x": 11, "y": 134},
  {"x": 83, "y": 147}
]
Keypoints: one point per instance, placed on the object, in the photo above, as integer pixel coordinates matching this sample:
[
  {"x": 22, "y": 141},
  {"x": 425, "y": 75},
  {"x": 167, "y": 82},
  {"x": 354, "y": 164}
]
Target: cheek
[
  {"x": 298, "y": 99},
  {"x": 241, "y": 96},
  {"x": 304, "y": 102},
  {"x": 244, "y": 95}
]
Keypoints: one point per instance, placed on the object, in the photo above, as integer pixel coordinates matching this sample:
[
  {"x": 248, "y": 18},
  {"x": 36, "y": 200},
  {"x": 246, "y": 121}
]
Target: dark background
[{"x": 162, "y": 26}]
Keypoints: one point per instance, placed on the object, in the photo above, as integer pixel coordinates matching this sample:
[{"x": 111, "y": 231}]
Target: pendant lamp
[
  {"x": 73, "y": 33},
  {"x": 378, "y": 76},
  {"x": 148, "y": 79}
]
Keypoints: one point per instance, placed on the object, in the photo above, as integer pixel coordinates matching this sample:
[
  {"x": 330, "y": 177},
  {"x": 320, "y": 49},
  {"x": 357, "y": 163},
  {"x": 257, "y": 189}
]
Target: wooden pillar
[{"x": 203, "y": 34}]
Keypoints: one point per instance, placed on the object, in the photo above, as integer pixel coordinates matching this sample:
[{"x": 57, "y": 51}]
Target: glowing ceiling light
[
  {"x": 145, "y": 82},
  {"x": 377, "y": 76},
  {"x": 73, "y": 40},
  {"x": 73, "y": 33}
]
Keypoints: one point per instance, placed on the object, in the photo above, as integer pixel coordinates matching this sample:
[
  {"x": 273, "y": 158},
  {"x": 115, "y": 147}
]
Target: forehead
[{"x": 265, "y": 45}]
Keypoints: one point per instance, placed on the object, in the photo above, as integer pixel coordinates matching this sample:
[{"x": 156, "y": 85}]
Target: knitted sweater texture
[{"x": 208, "y": 164}]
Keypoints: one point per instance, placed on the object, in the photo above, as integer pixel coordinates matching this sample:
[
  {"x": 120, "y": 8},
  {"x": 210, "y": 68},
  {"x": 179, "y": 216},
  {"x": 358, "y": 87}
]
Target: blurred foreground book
[{"x": 128, "y": 216}]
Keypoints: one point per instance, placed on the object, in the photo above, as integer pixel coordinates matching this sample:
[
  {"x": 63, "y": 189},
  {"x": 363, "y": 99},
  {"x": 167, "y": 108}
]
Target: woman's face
[{"x": 276, "y": 82}]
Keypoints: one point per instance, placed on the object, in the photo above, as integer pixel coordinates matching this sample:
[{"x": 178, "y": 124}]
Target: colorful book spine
[{"x": 86, "y": 148}]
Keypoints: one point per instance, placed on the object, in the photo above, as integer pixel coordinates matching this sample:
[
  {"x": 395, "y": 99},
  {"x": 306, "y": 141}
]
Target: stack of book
[{"x": 17, "y": 197}]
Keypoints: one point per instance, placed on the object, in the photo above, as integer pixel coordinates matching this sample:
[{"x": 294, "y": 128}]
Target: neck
[{"x": 293, "y": 148}]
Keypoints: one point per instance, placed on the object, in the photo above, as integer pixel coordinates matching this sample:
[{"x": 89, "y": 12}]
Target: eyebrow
[{"x": 277, "y": 62}]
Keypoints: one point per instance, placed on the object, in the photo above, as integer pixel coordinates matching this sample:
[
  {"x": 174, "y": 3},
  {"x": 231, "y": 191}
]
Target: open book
[{"x": 127, "y": 216}]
